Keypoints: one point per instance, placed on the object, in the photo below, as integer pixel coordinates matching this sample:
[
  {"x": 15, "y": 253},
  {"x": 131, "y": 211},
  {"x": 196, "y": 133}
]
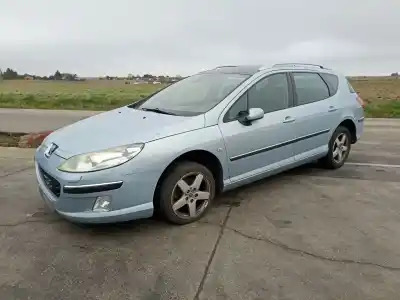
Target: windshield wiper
[{"x": 159, "y": 111}]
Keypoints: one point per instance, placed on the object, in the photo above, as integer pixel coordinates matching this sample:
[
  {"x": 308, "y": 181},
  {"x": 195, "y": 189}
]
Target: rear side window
[
  {"x": 351, "y": 89},
  {"x": 310, "y": 88},
  {"x": 332, "y": 81}
]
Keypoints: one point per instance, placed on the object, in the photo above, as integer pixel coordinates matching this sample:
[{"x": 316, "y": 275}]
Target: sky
[{"x": 118, "y": 37}]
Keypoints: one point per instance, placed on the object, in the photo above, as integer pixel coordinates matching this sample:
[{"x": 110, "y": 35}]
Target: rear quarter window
[{"x": 332, "y": 81}]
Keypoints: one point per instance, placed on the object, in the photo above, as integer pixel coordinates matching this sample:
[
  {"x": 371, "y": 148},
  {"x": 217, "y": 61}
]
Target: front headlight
[{"x": 101, "y": 160}]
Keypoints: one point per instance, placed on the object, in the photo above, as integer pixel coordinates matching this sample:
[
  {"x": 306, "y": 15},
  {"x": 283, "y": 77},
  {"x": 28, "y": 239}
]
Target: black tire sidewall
[{"x": 169, "y": 183}]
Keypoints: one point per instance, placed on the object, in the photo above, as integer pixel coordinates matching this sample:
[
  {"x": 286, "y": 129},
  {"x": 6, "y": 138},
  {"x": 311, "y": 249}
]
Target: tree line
[{"x": 10, "y": 74}]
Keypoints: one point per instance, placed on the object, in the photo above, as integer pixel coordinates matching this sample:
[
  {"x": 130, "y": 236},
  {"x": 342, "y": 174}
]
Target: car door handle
[
  {"x": 332, "y": 109},
  {"x": 289, "y": 119}
]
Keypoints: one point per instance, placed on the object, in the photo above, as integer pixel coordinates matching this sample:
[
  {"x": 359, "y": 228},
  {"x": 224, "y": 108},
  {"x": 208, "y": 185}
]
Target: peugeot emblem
[{"x": 50, "y": 150}]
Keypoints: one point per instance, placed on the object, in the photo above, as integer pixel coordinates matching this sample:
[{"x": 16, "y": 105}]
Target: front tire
[
  {"x": 187, "y": 192},
  {"x": 339, "y": 149}
]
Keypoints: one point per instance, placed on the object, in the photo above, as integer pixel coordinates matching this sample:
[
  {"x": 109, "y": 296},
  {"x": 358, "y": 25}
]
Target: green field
[
  {"x": 382, "y": 94},
  {"x": 84, "y": 95}
]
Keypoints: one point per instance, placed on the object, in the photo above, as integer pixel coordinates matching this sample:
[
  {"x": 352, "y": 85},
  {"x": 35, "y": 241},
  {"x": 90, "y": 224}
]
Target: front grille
[{"x": 52, "y": 184}]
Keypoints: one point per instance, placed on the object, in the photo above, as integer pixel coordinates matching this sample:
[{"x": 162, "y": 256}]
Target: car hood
[{"x": 118, "y": 127}]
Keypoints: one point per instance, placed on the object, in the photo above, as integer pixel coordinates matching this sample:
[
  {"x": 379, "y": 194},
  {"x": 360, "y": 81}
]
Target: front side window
[
  {"x": 310, "y": 88},
  {"x": 240, "y": 106},
  {"x": 270, "y": 94},
  {"x": 194, "y": 95}
]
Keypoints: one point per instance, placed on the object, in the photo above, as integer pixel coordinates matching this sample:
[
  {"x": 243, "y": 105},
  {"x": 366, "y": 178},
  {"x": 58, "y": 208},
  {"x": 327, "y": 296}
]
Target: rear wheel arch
[
  {"x": 203, "y": 157},
  {"x": 338, "y": 148},
  {"x": 351, "y": 127}
]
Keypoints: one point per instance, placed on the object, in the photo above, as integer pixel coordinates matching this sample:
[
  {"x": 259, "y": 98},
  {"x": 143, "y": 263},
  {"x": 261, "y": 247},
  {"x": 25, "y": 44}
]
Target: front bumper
[{"x": 74, "y": 198}]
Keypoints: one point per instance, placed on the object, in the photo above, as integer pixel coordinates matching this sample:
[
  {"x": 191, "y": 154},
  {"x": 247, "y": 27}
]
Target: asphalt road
[
  {"x": 36, "y": 120},
  {"x": 305, "y": 234}
]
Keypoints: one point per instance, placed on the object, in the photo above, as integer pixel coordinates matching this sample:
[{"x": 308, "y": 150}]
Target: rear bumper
[{"x": 359, "y": 128}]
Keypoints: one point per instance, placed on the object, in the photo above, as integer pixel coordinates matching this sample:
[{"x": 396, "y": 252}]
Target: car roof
[
  {"x": 240, "y": 69},
  {"x": 298, "y": 67},
  {"x": 253, "y": 69}
]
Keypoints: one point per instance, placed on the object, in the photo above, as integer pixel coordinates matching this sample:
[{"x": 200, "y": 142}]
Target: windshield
[{"x": 193, "y": 95}]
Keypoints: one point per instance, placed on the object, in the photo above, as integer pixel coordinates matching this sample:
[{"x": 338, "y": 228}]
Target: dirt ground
[{"x": 305, "y": 234}]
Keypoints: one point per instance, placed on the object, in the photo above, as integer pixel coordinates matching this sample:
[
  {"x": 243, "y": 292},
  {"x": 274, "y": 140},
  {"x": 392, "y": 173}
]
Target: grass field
[
  {"x": 382, "y": 94},
  {"x": 84, "y": 95}
]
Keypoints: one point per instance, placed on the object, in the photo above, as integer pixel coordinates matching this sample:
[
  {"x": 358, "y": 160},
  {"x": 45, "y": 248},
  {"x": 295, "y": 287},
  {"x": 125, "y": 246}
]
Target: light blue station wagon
[{"x": 173, "y": 152}]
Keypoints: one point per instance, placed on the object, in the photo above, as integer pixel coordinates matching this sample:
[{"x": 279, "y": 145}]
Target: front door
[{"x": 264, "y": 144}]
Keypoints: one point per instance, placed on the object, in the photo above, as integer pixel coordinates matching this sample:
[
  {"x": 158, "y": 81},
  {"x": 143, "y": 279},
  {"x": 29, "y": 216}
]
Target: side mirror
[
  {"x": 252, "y": 115},
  {"x": 255, "y": 114}
]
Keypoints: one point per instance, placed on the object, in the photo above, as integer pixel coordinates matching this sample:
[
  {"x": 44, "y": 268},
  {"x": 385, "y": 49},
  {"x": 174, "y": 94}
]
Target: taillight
[{"x": 361, "y": 101}]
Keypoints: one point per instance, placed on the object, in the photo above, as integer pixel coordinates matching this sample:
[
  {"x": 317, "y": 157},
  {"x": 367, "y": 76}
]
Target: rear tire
[
  {"x": 339, "y": 149},
  {"x": 187, "y": 193}
]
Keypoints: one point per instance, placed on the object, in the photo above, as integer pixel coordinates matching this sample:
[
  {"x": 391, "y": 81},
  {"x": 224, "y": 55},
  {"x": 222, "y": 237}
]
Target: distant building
[{"x": 139, "y": 81}]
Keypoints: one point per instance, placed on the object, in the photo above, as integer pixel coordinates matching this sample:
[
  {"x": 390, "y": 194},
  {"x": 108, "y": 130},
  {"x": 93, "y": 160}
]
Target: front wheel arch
[{"x": 205, "y": 158}]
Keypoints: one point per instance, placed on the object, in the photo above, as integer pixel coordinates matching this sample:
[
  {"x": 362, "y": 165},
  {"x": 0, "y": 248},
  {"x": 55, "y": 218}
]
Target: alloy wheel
[
  {"x": 340, "y": 148},
  {"x": 191, "y": 195}
]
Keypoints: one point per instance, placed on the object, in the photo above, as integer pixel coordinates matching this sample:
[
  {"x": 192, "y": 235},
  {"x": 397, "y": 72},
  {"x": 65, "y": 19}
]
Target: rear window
[
  {"x": 351, "y": 89},
  {"x": 310, "y": 87},
  {"x": 332, "y": 81}
]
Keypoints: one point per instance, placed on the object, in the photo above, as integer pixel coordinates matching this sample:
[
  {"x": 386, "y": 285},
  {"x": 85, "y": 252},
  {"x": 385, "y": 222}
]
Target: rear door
[{"x": 315, "y": 112}]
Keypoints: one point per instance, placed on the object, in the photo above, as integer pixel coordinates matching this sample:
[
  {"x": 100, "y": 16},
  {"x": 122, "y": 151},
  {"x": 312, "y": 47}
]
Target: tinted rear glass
[
  {"x": 309, "y": 87},
  {"x": 332, "y": 81}
]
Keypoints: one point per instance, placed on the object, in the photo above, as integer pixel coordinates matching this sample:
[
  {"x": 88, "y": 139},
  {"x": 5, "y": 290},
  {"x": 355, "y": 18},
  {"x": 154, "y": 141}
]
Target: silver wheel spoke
[
  {"x": 337, "y": 142},
  {"x": 203, "y": 195},
  {"x": 340, "y": 155},
  {"x": 343, "y": 139},
  {"x": 336, "y": 152},
  {"x": 179, "y": 204},
  {"x": 183, "y": 185},
  {"x": 344, "y": 148},
  {"x": 192, "y": 209},
  {"x": 197, "y": 182}
]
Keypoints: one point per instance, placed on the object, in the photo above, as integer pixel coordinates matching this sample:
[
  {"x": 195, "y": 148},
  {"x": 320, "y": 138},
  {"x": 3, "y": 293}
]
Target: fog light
[{"x": 102, "y": 204}]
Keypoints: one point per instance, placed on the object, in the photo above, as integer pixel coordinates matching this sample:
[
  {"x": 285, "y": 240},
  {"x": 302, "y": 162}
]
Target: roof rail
[
  {"x": 219, "y": 67},
  {"x": 297, "y": 64}
]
